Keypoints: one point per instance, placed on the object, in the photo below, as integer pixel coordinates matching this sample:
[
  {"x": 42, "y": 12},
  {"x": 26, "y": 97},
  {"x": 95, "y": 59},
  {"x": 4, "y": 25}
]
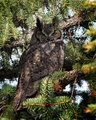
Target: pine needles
[{"x": 47, "y": 106}]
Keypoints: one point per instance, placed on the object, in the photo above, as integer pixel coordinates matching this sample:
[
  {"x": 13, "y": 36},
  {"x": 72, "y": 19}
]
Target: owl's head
[
  {"x": 48, "y": 31},
  {"x": 44, "y": 33}
]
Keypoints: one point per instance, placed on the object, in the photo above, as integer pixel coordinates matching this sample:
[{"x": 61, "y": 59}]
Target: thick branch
[
  {"x": 12, "y": 45},
  {"x": 72, "y": 75},
  {"x": 8, "y": 73},
  {"x": 16, "y": 44},
  {"x": 71, "y": 22}
]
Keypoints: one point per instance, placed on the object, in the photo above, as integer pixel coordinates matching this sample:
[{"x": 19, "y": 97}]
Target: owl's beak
[{"x": 48, "y": 38}]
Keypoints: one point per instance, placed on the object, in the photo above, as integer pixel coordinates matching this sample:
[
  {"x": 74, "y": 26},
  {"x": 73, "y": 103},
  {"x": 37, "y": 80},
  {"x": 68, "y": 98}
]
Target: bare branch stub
[{"x": 72, "y": 75}]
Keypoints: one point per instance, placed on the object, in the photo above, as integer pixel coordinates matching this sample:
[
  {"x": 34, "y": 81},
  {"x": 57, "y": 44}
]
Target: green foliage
[
  {"x": 22, "y": 13},
  {"x": 20, "y": 10},
  {"x": 9, "y": 113},
  {"x": 77, "y": 67},
  {"x": 90, "y": 46},
  {"x": 6, "y": 102},
  {"x": 7, "y": 90},
  {"x": 78, "y": 5},
  {"x": 93, "y": 106},
  {"x": 47, "y": 106},
  {"x": 90, "y": 4},
  {"x": 4, "y": 119},
  {"x": 57, "y": 75}
]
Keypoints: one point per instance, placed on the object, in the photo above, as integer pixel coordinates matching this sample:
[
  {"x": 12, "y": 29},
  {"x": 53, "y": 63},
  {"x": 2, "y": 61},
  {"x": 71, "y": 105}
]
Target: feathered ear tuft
[
  {"x": 39, "y": 24},
  {"x": 55, "y": 22}
]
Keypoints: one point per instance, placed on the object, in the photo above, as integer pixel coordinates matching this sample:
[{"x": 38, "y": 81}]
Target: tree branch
[
  {"x": 15, "y": 44},
  {"x": 71, "y": 22},
  {"x": 12, "y": 45},
  {"x": 8, "y": 73},
  {"x": 76, "y": 20},
  {"x": 72, "y": 75}
]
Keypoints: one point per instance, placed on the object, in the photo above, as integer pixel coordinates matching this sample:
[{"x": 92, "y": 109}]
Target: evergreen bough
[
  {"x": 47, "y": 106},
  {"x": 6, "y": 102}
]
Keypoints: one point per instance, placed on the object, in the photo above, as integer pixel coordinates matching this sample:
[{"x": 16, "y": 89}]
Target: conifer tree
[{"x": 17, "y": 21}]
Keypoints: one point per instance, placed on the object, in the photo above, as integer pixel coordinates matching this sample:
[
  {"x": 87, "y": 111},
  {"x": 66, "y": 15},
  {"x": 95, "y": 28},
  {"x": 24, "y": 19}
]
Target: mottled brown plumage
[{"x": 44, "y": 56}]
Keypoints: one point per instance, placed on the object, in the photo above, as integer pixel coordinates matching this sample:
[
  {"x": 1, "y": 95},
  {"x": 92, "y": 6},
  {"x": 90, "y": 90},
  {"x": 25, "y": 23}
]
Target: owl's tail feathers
[{"x": 18, "y": 100}]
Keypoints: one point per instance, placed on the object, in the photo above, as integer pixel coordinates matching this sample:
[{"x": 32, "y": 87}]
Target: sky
[{"x": 83, "y": 88}]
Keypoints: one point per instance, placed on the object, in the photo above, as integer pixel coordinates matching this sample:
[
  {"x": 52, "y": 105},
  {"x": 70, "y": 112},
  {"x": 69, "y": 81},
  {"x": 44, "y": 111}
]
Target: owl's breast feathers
[{"x": 37, "y": 62}]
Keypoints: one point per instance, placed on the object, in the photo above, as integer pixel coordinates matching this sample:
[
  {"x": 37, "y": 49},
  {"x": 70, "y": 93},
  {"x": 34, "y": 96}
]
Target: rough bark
[
  {"x": 70, "y": 78},
  {"x": 71, "y": 22},
  {"x": 12, "y": 45}
]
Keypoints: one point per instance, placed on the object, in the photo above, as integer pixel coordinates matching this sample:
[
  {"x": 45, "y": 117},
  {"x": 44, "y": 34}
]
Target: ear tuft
[
  {"x": 55, "y": 22},
  {"x": 39, "y": 24}
]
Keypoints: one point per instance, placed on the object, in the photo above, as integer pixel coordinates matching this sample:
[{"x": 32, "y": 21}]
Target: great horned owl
[
  {"x": 44, "y": 33},
  {"x": 44, "y": 56}
]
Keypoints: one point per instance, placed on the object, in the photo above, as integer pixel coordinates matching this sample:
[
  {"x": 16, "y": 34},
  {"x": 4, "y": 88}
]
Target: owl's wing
[{"x": 36, "y": 63}]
